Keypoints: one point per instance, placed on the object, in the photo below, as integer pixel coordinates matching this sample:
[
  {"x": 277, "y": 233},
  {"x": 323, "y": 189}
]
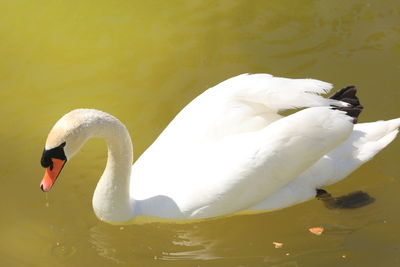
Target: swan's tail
[
  {"x": 365, "y": 142},
  {"x": 377, "y": 135},
  {"x": 348, "y": 95}
]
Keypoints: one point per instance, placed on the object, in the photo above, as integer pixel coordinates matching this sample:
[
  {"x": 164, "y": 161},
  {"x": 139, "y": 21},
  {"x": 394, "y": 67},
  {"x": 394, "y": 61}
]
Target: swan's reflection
[
  {"x": 231, "y": 240},
  {"x": 153, "y": 241},
  {"x": 104, "y": 248},
  {"x": 192, "y": 245}
]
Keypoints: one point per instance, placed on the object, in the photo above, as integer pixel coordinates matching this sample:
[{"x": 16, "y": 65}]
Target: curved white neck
[{"x": 111, "y": 199}]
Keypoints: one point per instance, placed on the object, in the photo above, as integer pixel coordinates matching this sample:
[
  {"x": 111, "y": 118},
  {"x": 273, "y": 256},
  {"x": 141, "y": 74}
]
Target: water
[{"x": 142, "y": 61}]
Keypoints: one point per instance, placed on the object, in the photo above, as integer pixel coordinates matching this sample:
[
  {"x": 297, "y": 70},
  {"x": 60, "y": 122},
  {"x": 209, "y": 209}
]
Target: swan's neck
[{"x": 111, "y": 199}]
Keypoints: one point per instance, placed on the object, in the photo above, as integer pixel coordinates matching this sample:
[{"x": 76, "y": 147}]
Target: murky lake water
[{"x": 142, "y": 61}]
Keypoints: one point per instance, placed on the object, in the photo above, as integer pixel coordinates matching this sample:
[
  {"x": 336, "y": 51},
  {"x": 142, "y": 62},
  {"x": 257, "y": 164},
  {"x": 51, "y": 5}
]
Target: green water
[{"x": 142, "y": 61}]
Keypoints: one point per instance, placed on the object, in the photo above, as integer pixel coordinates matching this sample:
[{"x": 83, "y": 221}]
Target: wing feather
[{"x": 243, "y": 170}]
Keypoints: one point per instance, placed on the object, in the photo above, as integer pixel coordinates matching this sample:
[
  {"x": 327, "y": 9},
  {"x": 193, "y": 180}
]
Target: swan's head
[{"x": 64, "y": 140}]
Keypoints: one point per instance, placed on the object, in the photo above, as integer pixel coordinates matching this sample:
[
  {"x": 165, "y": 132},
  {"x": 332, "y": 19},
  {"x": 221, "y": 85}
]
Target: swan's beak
[{"x": 51, "y": 174}]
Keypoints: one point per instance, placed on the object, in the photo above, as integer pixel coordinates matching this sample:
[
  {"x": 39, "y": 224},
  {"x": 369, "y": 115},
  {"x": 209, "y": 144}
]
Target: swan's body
[{"x": 227, "y": 151}]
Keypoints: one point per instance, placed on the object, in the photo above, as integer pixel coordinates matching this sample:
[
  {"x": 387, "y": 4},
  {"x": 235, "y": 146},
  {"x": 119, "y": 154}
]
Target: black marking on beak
[{"x": 56, "y": 153}]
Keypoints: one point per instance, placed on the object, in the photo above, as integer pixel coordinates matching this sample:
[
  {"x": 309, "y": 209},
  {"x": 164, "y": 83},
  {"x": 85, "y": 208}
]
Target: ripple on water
[{"x": 63, "y": 251}]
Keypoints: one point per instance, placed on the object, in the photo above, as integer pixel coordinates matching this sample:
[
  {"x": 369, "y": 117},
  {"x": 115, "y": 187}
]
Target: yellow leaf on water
[{"x": 316, "y": 230}]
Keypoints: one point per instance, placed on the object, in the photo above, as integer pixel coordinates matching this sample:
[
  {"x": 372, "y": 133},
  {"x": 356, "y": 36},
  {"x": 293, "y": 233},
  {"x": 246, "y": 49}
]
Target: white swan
[{"x": 227, "y": 151}]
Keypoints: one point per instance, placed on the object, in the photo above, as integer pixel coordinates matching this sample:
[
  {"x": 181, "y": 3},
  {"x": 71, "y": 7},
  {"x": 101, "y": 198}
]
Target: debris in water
[
  {"x": 277, "y": 244},
  {"x": 344, "y": 256},
  {"x": 316, "y": 230}
]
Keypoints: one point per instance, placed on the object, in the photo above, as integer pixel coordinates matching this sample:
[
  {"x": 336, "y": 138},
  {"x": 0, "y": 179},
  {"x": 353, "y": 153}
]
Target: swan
[{"x": 228, "y": 151}]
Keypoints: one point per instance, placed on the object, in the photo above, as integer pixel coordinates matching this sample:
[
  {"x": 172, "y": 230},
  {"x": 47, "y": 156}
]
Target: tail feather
[{"x": 376, "y": 143}]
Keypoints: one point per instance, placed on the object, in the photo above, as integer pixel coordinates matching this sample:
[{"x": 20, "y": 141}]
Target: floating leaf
[{"x": 316, "y": 230}]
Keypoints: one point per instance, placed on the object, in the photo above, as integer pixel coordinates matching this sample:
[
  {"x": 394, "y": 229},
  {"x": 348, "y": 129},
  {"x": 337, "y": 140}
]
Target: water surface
[{"x": 142, "y": 61}]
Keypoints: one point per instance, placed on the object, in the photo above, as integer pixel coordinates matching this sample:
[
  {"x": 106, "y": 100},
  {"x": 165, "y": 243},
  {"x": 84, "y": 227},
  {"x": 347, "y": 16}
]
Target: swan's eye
[
  {"x": 46, "y": 161},
  {"x": 55, "y": 153}
]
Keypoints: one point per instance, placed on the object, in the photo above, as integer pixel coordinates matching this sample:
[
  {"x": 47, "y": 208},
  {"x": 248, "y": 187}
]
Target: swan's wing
[
  {"x": 276, "y": 93},
  {"x": 241, "y": 104},
  {"x": 364, "y": 143},
  {"x": 240, "y": 171}
]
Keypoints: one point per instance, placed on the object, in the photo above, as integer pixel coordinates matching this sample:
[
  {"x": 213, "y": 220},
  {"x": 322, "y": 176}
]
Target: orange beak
[{"x": 51, "y": 174}]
